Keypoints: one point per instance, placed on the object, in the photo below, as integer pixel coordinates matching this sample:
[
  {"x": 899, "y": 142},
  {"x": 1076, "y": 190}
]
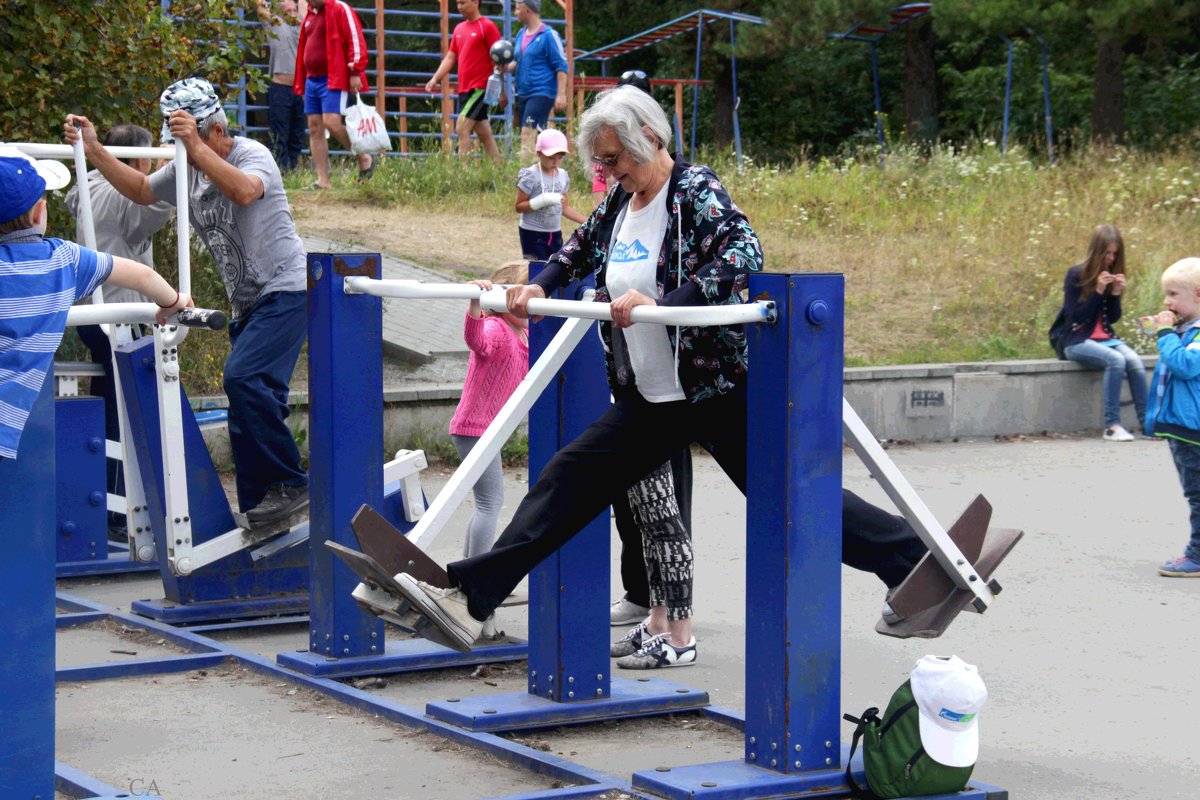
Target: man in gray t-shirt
[
  {"x": 255, "y": 245},
  {"x": 285, "y": 110},
  {"x": 238, "y": 207}
]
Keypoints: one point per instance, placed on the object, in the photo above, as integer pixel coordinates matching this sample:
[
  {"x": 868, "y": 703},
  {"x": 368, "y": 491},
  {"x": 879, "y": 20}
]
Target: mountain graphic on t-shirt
[{"x": 634, "y": 251}]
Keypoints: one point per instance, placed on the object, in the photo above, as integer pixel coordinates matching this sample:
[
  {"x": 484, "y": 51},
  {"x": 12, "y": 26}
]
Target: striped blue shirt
[{"x": 39, "y": 280}]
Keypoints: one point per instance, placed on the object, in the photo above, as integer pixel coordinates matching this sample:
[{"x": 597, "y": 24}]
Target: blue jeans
[
  {"x": 1116, "y": 361},
  {"x": 1187, "y": 464},
  {"x": 266, "y": 345},
  {"x": 289, "y": 126}
]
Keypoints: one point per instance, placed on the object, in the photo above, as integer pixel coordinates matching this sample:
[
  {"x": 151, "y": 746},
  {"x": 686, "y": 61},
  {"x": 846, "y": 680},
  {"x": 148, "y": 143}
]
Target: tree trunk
[
  {"x": 920, "y": 82},
  {"x": 1108, "y": 100},
  {"x": 723, "y": 104}
]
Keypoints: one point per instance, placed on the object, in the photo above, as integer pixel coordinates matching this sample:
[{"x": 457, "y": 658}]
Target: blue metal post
[
  {"x": 82, "y": 505},
  {"x": 878, "y": 103},
  {"x": 793, "y": 555},
  {"x": 345, "y": 345},
  {"x": 1046, "y": 95},
  {"x": 568, "y": 623},
  {"x": 1007, "y": 95},
  {"x": 793, "y": 526},
  {"x": 696, "y": 86},
  {"x": 27, "y": 597},
  {"x": 737, "y": 101}
]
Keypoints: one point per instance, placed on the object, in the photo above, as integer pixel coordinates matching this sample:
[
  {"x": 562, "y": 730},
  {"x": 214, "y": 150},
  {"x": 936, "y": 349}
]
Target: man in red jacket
[{"x": 331, "y": 62}]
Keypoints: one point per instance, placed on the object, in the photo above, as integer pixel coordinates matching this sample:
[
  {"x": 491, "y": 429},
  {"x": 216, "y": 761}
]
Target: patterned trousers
[{"x": 666, "y": 542}]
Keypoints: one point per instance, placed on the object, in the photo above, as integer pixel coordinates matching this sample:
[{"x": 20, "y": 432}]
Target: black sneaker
[{"x": 281, "y": 501}]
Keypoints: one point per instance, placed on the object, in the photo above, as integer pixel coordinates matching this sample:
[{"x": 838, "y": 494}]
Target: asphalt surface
[{"x": 1086, "y": 654}]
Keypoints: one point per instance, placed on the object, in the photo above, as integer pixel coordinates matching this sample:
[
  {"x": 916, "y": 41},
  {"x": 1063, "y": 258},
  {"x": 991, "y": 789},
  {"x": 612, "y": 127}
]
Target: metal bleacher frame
[{"x": 405, "y": 71}]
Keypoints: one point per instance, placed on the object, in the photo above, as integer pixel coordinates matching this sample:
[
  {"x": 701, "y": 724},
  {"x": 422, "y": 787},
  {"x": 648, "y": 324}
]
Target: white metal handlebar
[
  {"x": 494, "y": 300},
  {"x": 64, "y": 151}
]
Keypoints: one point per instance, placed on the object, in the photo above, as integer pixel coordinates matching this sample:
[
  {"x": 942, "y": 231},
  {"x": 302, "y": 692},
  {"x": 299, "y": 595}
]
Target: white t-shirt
[{"x": 632, "y": 264}]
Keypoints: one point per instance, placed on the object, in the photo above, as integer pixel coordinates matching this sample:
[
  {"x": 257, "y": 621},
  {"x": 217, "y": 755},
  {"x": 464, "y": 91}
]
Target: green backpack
[{"x": 896, "y": 763}]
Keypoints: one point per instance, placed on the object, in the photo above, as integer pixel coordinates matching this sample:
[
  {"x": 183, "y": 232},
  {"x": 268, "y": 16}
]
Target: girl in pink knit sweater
[{"x": 499, "y": 344}]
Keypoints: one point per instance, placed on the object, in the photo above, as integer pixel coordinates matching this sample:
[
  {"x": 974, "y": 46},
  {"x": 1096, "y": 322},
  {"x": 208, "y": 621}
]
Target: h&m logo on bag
[{"x": 366, "y": 126}]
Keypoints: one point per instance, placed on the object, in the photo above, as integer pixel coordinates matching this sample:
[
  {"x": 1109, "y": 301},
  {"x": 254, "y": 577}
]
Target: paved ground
[
  {"x": 414, "y": 332},
  {"x": 1086, "y": 654}
]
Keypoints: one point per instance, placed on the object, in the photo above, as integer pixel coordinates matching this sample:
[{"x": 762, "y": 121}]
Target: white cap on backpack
[{"x": 949, "y": 694}]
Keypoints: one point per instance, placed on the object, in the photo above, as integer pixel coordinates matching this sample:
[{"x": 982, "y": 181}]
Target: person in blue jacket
[
  {"x": 1174, "y": 412},
  {"x": 1092, "y": 301},
  {"x": 541, "y": 74}
]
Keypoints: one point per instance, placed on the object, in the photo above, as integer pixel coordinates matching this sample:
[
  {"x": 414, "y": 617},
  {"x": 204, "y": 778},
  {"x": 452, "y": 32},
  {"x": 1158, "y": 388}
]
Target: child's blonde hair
[
  {"x": 511, "y": 272},
  {"x": 1183, "y": 274}
]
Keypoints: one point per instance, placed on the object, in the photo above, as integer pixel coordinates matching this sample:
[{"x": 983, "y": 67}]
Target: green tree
[
  {"x": 1104, "y": 32},
  {"x": 111, "y": 60}
]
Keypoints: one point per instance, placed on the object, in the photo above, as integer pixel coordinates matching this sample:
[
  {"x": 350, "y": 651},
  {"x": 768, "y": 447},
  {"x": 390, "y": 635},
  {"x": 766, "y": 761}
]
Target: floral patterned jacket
[{"x": 707, "y": 255}]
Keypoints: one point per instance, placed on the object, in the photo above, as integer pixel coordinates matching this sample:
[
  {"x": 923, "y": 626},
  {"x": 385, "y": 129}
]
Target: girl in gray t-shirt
[{"x": 542, "y": 198}]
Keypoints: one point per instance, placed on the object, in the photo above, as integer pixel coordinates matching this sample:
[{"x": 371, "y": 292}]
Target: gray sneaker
[
  {"x": 631, "y": 642},
  {"x": 446, "y": 609},
  {"x": 657, "y": 651},
  {"x": 623, "y": 612}
]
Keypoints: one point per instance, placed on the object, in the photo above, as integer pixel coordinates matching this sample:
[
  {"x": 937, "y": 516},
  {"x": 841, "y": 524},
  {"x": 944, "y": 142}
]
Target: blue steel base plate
[
  {"x": 405, "y": 655},
  {"x": 518, "y": 710},
  {"x": 102, "y": 566},
  {"x": 738, "y": 780},
  {"x": 221, "y": 610}
]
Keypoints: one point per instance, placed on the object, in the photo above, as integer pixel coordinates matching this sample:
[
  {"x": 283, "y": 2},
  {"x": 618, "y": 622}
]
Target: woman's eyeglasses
[
  {"x": 633, "y": 74},
  {"x": 608, "y": 161}
]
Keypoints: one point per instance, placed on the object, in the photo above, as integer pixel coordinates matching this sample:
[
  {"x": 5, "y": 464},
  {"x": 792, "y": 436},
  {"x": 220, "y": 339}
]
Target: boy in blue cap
[{"x": 39, "y": 280}]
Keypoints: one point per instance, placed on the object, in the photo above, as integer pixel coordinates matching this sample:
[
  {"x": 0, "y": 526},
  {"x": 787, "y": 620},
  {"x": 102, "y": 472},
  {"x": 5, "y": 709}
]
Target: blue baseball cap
[{"x": 23, "y": 181}]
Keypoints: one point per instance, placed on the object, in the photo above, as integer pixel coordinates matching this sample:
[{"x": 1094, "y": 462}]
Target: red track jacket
[{"x": 345, "y": 48}]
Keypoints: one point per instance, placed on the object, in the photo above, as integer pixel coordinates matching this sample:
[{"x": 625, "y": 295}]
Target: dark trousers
[
  {"x": 633, "y": 560},
  {"x": 266, "y": 345},
  {"x": 539, "y": 245},
  {"x": 628, "y": 441},
  {"x": 289, "y": 125}
]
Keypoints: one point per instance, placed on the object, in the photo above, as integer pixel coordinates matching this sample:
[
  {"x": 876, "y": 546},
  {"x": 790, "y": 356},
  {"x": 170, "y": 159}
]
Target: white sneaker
[
  {"x": 657, "y": 651},
  {"x": 623, "y": 612},
  {"x": 631, "y": 642},
  {"x": 446, "y": 609},
  {"x": 1117, "y": 434}
]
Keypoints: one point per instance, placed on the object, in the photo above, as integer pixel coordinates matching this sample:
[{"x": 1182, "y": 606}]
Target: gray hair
[
  {"x": 204, "y": 127},
  {"x": 627, "y": 110}
]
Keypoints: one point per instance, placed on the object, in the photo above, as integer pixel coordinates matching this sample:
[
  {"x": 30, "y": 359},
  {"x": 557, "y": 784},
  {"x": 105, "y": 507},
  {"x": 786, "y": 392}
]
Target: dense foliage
[{"x": 111, "y": 60}]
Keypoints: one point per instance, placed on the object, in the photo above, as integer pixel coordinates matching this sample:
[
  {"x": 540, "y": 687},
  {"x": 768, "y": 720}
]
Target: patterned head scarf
[{"x": 193, "y": 95}]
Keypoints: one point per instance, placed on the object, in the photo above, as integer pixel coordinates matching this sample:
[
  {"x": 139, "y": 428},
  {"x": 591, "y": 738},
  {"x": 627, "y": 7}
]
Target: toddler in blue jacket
[{"x": 1173, "y": 411}]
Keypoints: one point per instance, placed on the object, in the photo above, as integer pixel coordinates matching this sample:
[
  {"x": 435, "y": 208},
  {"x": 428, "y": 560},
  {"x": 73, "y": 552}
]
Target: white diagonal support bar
[
  {"x": 901, "y": 492},
  {"x": 488, "y": 447},
  {"x": 494, "y": 300}
]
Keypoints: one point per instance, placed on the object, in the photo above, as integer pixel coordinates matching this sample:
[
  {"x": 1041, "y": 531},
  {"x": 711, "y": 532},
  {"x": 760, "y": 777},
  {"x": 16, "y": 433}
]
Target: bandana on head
[{"x": 193, "y": 95}]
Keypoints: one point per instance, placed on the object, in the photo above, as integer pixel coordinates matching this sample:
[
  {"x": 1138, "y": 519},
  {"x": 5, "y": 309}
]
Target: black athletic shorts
[{"x": 471, "y": 105}]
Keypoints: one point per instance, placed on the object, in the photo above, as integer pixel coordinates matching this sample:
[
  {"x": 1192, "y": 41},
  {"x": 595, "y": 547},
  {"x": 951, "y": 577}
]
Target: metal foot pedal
[
  {"x": 257, "y": 535},
  {"x": 928, "y": 600},
  {"x": 379, "y": 594},
  {"x": 393, "y": 551}
]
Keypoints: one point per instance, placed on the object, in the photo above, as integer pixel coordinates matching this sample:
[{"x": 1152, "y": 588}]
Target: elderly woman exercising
[{"x": 669, "y": 235}]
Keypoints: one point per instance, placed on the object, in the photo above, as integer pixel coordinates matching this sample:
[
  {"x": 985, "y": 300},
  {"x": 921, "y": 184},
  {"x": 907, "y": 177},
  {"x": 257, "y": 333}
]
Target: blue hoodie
[
  {"x": 1173, "y": 409},
  {"x": 539, "y": 60}
]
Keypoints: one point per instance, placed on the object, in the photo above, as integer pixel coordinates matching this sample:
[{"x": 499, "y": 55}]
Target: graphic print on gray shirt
[{"x": 256, "y": 247}]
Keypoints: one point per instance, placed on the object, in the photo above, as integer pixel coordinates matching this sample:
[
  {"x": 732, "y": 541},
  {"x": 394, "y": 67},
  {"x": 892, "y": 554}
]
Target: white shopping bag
[{"x": 366, "y": 129}]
